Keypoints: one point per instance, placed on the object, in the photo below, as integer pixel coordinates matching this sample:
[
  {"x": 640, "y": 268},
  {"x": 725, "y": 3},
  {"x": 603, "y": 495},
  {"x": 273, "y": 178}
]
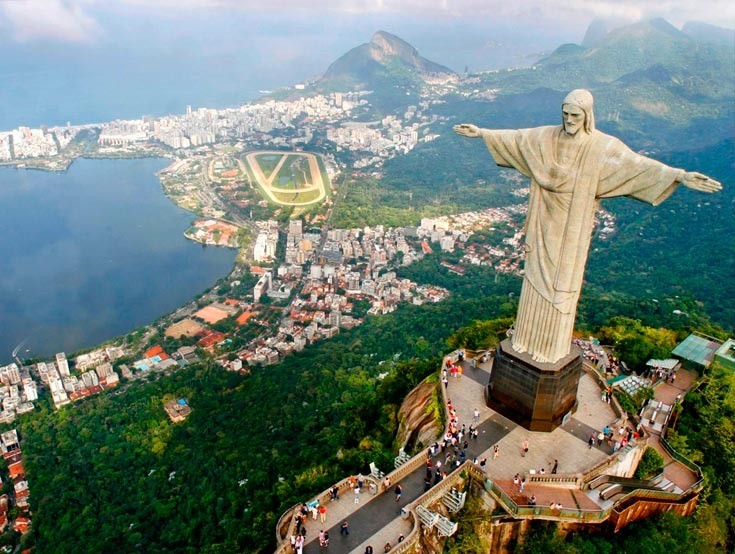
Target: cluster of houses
[
  {"x": 20, "y": 495},
  {"x": 95, "y": 375},
  {"x": 213, "y": 232},
  {"x": 17, "y": 392}
]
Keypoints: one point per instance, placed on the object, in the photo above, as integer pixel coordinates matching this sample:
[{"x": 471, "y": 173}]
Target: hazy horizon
[{"x": 88, "y": 62}]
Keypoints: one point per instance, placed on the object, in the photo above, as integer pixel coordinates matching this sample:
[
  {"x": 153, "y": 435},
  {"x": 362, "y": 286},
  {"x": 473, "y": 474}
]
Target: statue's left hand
[
  {"x": 702, "y": 183},
  {"x": 467, "y": 130}
]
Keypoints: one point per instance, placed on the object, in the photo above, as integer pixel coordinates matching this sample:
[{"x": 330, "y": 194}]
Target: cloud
[
  {"x": 551, "y": 12},
  {"x": 48, "y": 19},
  {"x": 72, "y": 20}
]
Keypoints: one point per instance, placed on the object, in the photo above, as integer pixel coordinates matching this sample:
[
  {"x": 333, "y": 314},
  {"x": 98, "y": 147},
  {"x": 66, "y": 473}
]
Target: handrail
[
  {"x": 627, "y": 481},
  {"x": 680, "y": 457},
  {"x": 617, "y": 408},
  {"x": 412, "y": 537},
  {"x": 279, "y": 525}
]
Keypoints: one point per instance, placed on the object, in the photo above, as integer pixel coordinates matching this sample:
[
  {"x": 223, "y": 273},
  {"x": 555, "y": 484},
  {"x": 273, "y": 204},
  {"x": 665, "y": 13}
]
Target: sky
[{"x": 87, "y": 61}]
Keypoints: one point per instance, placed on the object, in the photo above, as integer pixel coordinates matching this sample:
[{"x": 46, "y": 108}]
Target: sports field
[{"x": 288, "y": 178}]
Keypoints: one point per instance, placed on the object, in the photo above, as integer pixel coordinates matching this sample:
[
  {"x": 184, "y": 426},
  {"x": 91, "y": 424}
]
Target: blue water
[{"x": 93, "y": 253}]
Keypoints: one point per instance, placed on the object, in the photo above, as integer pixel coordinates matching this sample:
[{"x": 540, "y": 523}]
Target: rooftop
[{"x": 698, "y": 349}]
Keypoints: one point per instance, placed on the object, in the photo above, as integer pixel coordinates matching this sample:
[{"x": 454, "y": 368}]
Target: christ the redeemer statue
[{"x": 571, "y": 166}]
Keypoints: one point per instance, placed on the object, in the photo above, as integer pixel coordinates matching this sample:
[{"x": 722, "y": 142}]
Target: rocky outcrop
[
  {"x": 419, "y": 419},
  {"x": 385, "y": 57}
]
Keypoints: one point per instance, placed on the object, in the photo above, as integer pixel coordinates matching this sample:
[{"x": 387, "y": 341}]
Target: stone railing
[
  {"x": 560, "y": 481},
  {"x": 323, "y": 498},
  {"x": 467, "y": 470},
  {"x": 617, "y": 408},
  {"x": 281, "y": 522},
  {"x": 395, "y": 476},
  {"x": 411, "y": 539}
]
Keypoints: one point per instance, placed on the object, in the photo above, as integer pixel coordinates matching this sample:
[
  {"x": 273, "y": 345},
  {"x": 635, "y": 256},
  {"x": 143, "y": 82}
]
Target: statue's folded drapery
[{"x": 560, "y": 218}]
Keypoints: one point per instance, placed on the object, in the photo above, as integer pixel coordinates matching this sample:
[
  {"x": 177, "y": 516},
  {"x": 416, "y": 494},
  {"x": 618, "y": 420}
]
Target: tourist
[
  {"x": 334, "y": 493},
  {"x": 532, "y": 500},
  {"x": 387, "y": 547},
  {"x": 496, "y": 451},
  {"x": 368, "y": 549},
  {"x": 322, "y": 513},
  {"x": 399, "y": 491},
  {"x": 476, "y": 416},
  {"x": 524, "y": 447},
  {"x": 357, "y": 495},
  {"x": 556, "y": 466},
  {"x": 344, "y": 529},
  {"x": 591, "y": 440}
]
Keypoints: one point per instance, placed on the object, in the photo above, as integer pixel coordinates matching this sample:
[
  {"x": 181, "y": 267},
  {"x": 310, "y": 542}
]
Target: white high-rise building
[{"x": 62, "y": 364}]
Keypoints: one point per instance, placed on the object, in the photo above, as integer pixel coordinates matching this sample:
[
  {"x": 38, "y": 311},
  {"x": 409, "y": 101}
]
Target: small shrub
[{"x": 650, "y": 465}]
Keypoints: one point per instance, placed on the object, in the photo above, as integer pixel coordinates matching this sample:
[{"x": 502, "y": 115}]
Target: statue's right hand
[{"x": 467, "y": 130}]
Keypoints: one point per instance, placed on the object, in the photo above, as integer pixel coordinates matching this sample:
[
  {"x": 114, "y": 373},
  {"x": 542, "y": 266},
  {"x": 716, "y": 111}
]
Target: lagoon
[{"x": 92, "y": 253}]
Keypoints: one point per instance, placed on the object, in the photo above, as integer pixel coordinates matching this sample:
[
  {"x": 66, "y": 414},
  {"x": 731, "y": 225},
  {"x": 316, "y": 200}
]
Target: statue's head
[{"x": 577, "y": 112}]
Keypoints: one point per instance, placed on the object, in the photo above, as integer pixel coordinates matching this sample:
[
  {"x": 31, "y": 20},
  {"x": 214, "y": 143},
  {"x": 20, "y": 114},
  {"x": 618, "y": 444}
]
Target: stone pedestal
[{"x": 533, "y": 394}]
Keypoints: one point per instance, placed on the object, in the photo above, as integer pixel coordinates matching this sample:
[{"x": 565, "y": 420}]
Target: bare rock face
[{"x": 419, "y": 419}]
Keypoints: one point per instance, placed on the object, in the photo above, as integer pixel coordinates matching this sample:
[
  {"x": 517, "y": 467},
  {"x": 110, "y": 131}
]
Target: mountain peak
[
  {"x": 384, "y": 45},
  {"x": 386, "y": 56}
]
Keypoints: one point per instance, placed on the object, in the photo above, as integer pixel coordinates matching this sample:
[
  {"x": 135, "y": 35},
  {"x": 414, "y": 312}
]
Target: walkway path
[
  {"x": 377, "y": 518},
  {"x": 671, "y": 394}
]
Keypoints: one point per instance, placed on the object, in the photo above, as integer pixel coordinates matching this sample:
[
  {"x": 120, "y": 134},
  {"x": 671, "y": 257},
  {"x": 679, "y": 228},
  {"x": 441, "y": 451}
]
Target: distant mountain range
[
  {"x": 599, "y": 29},
  {"x": 384, "y": 60}
]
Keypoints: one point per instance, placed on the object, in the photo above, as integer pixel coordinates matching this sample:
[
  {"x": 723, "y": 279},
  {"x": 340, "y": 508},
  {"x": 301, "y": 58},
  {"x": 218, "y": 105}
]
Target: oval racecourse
[{"x": 304, "y": 186}]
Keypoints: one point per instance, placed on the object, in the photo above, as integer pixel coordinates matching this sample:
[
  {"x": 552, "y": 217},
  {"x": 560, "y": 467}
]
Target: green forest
[{"x": 112, "y": 474}]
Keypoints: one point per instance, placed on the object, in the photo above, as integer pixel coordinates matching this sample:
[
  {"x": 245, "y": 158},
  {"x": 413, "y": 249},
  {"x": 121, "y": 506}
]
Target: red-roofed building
[
  {"x": 16, "y": 469},
  {"x": 156, "y": 351},
  {"x": 208, "y": 341},
  {"x": 232, "y": 302},
  {"x": 244, "y": 318},
  {"x": 22, "y": 524},
  {"x": 425, "y": 247}
]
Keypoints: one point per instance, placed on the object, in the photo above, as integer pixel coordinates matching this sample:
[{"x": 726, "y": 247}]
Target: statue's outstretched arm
[
  {"x": 468, "y": 130},
  {"x": 697, "y": 181}
]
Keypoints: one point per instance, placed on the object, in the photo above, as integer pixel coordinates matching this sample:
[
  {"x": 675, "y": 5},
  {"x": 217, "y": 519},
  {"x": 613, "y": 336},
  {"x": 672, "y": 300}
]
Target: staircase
[
  {"x": 401, "y": 459},
  {"x": 454, "y": 500}
]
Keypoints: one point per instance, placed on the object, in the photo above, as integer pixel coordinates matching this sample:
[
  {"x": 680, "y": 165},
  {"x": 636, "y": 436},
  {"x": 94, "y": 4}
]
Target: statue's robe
[{"x": 561, "y": 210}]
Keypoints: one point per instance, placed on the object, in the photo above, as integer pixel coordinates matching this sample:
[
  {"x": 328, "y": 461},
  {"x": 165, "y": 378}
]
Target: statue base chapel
[{"x": 537, "y": 395}]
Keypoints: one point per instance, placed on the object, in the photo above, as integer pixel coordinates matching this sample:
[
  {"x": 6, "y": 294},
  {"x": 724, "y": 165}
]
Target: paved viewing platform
[{"x": 377, "y": 518}]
